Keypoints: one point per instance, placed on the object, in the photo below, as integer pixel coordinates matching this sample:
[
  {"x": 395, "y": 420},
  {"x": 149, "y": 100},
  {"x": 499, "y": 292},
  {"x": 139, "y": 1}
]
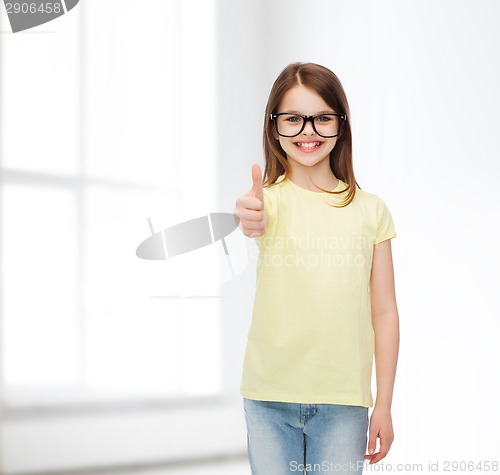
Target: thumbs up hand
[{"x": 250, "y": 207}]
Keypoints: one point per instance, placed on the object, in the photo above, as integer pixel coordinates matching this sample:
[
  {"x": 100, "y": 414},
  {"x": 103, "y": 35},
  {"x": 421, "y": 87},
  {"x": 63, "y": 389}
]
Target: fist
[{"x": 250, "y": 207}]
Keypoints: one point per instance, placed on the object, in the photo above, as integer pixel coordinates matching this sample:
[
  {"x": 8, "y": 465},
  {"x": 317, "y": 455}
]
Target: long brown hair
[{"x": 327, "y": 85}]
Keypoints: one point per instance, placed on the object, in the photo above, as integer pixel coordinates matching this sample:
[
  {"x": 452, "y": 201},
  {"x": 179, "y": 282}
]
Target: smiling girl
[{"x": 325, "y": 300}]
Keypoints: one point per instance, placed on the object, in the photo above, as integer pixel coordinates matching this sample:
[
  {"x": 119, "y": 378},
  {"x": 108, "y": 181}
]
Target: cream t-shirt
[{"x": 311, "y": 339}]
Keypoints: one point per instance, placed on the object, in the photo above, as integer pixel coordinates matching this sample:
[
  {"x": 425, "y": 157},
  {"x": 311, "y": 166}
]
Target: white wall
[{"x": 422, "y": 81}]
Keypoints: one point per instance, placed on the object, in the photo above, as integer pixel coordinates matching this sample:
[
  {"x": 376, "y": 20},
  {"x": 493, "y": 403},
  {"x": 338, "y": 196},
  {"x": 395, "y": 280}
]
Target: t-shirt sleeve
[{"x": 385, "y": 224}]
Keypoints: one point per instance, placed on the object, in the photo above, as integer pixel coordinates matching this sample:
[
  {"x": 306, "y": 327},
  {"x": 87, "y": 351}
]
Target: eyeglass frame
[{"x": 308, "y": 118}]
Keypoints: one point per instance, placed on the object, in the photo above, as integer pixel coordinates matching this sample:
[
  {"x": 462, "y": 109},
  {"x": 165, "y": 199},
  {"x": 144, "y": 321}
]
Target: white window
[{"x": 108, "y": 121}]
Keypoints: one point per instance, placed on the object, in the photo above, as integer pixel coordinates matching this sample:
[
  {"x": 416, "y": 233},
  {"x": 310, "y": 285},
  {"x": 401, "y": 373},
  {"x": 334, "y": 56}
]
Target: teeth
[{"x": 309, "y": 145}]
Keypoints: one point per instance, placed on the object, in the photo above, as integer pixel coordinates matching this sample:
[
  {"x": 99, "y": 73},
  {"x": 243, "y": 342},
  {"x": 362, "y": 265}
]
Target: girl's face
[{"x": 306, "y": 101}]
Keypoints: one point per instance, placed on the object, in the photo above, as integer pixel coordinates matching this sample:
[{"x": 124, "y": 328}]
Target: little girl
[{"x": 325, "y": 301}]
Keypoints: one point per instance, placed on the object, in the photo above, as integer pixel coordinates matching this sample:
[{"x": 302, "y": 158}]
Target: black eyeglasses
[{"x": 325, "y": 125}]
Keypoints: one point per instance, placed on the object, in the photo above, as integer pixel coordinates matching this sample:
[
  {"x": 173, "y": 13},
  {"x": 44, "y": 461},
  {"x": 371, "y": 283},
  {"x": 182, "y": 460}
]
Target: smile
[{"x": 307, "y": 146}]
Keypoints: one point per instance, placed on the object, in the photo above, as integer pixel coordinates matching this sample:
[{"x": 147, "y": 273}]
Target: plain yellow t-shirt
[{"x": 311, "y": 339}]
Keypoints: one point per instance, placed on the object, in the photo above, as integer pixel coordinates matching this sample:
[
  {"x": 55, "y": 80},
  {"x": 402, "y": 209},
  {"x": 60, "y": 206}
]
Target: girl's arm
[{"x": 385, "y": 320}]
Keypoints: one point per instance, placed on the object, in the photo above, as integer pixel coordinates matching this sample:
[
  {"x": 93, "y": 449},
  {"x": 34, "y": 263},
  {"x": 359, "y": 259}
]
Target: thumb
[
  {"x": 372, "y": 442},
  {"x": 257, "y": 190}
]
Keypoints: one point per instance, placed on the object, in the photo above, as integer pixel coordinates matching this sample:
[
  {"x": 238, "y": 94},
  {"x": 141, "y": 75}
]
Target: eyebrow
[{"x": 320, "y": 112}]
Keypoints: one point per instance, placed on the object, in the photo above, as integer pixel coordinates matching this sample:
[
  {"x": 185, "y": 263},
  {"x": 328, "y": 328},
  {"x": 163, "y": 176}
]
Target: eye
[
  {"x": 324, "y": 118},
  {"x": 293, "y": 118}
]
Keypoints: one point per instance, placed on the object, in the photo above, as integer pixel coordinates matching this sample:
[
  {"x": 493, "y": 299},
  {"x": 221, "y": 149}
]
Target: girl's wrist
[{"x": 382, "y": 406}]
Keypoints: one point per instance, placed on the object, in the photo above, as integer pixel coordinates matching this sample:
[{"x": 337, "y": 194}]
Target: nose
[{"x": 308, "y": 127}]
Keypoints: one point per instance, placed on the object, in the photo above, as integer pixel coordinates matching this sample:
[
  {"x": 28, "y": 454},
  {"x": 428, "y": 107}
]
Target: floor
[{"x": 230, "y": 466}]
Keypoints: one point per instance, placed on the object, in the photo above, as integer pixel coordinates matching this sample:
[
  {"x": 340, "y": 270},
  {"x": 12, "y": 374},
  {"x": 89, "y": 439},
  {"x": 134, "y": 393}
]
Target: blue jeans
[{"x": 286, "y": 437}]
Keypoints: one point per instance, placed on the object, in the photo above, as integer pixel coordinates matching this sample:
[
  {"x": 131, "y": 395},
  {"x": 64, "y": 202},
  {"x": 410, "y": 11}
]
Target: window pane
[
  {"x": 40, "y": 97},
  {"x": 137, "y": 344},
  {"x": 39, "y": 275},
  {"x": 131, "y": 130}
]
